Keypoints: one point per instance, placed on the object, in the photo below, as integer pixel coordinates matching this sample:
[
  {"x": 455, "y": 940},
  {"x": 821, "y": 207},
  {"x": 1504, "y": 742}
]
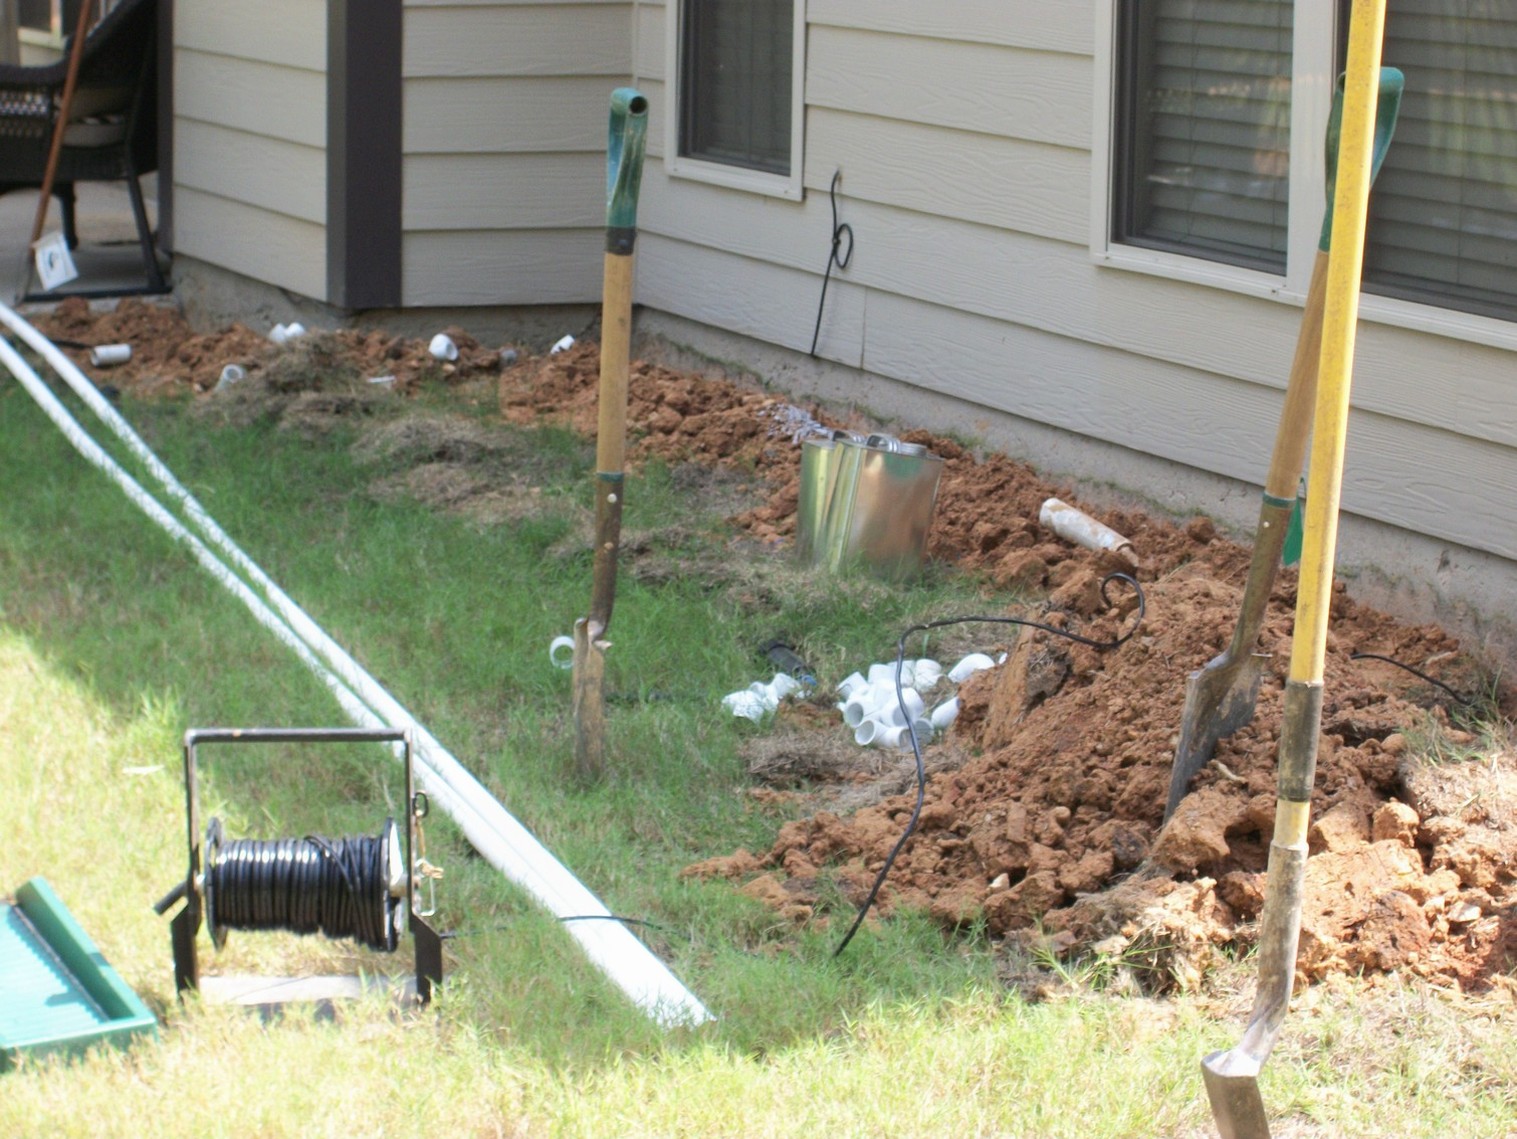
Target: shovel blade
[
  {"x": 1232, "y": 1086},
  {"x": 589, "y": 703},
  {"x": 1219, "y": 699}
]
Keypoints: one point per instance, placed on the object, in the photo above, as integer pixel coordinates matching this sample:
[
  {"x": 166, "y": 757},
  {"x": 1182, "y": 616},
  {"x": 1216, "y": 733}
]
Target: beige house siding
[
  {"x": 250, "y": 139},
  {"x": 964, "y": 134},
  {"x": 505, "y": 149}
]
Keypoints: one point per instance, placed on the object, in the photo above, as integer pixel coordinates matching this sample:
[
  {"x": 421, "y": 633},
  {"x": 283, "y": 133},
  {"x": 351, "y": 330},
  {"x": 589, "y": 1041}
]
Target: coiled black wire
[
  {"x": 834, "y": 257},
  {"x": 336, "y": 887},
  {"x": 916, "y": 747}
]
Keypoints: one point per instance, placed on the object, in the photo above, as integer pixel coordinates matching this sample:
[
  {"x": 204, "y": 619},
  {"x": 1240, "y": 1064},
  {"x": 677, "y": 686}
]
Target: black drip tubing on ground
[
  {"x": 916, "y": 747},
  {"x": 834, "y": 257},
  {"x": 337, "y": 887},
  {"x": 1465, "y": 700}
]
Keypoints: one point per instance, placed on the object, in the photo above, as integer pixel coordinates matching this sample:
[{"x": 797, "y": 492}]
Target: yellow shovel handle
[{"x": 1340, "y": 316}]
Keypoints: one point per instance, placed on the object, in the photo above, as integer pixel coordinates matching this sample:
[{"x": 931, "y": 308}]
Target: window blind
[
  {"x": 1443, "y": 215},
  {"x": 736, "y": 82},
  {"x": 1203, "y": 155}
]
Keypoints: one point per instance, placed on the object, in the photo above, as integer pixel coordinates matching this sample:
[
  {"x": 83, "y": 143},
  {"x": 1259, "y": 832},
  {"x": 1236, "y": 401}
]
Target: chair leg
[
  {"x": 64, "y": 192},
  {"x": 145, "y": 236}
]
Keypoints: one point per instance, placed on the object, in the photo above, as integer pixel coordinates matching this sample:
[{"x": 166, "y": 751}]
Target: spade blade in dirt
[{"x": 1219, "y": 699}]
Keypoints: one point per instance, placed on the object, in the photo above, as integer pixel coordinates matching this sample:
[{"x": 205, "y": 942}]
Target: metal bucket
[
  {"x": 867, "y": 502},
  {"x": 817, "y": 468}
]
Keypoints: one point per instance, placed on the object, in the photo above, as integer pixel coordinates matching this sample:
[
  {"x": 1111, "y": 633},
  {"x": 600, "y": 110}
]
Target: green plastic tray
[{"x": 57, "y": 991}]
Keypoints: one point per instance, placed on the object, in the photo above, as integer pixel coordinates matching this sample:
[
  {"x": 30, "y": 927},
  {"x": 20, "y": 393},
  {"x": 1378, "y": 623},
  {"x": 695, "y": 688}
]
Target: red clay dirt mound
[
  {"x": 169, "y": 357},
  {"x": 1051, "y": 829},
  {"x": 1055, "y": 824}
]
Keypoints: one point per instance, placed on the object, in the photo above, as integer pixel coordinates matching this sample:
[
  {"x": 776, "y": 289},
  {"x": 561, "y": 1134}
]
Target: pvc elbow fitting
[
  {"x": 970, "y": 665},
  {"x": 851, "y": 684},
  {"x": 884, "y": 674},
  {"x": 945, "y": 713},
  {"x": 925, "y": 673}
]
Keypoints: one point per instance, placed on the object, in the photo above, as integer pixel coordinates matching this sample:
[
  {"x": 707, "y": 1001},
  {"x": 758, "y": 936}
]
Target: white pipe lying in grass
[{"x": 494, "y": 832}]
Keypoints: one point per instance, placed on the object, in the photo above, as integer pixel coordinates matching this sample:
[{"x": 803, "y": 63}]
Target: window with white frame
[
  {"x": 737, "y": 68},
  {"x": 1203, "y": 144}
]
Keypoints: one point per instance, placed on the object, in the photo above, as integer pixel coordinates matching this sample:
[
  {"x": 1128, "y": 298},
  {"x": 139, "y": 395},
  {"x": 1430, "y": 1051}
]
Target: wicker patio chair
[{"x": 112, "y": 133}]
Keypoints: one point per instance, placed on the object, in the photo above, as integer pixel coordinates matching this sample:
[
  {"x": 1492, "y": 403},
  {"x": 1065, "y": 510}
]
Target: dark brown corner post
[
  {"x": 165, "y": 234},
  {"x": 364, "y": 101}
]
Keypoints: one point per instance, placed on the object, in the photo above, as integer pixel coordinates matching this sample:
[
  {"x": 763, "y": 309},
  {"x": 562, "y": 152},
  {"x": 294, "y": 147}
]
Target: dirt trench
[{"x": 1042, "y": 814}]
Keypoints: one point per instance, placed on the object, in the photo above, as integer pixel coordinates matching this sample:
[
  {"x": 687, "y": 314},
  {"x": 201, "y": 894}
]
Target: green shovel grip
[
  {"x": 627, "y": 139},
  {"x": 1387, "y": 108}
]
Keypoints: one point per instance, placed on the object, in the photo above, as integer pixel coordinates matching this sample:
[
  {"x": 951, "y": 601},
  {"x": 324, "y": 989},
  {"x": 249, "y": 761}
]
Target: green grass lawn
[{"x": 113, "y": 642}]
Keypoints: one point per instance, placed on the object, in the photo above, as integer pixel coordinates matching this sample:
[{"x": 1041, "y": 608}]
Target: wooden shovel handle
[{"x": 1300, "y": 391}]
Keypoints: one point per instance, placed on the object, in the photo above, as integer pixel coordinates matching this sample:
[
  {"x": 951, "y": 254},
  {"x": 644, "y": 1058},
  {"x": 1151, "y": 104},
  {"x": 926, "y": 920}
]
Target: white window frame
[
  {"x": 790, "y": 185},
  {"x": 1311, "y": 99}
]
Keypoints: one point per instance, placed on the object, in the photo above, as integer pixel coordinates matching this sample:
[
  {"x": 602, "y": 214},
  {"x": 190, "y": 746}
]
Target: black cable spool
[{"x": 343, "y": 888}]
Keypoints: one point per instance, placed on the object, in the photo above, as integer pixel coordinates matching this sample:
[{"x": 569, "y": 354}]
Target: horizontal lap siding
[
  {"x": 505, "y": 141},
  {"x": 250, "y": 139},
  {"x": 963, "y": 133}
]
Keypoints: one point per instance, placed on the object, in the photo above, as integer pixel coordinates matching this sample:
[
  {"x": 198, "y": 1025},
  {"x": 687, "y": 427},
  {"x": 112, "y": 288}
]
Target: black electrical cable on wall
[
  {"x": 916, "y": 747},
  {"x": 336, "y": 887},
  {"x": 834, "y": 257}
]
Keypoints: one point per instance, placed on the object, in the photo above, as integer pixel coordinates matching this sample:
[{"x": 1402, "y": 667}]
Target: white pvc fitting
[
  {"x": 748, "y": 704},
  {"x": 284, "y": 333},
  {"x": 925, "y": 673},
  {"x": 925, "y": 732},
  {"x": 945, "y": 713},
  {"x": 231, "y": 374},
  {"x": 776, "y": 689},
  {"x": 858, "y": 707},
  {"x": 970, "y": 665},
  {"x": 104, "y": 355},
  {"x": 561, "y": 345},
  {"x": 884, "y": 674},
  {"x": 889, "y": 736},
  {"x": 442, "y": 347},
  {"x": 783, "y": 685},
  {"x": 561, "y": 652},
  {"x": 851, "y": 684}
]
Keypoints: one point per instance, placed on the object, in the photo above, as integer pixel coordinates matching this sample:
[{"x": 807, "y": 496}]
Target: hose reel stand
[{"x": 364, "y": 889}]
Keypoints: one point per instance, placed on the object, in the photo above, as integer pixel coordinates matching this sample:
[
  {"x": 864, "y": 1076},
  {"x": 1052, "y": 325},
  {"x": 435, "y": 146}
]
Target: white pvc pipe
[{"x": 498, "y": 836}]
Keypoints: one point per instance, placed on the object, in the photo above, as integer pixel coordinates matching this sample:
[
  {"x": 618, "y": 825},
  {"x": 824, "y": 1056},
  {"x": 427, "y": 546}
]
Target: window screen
[
  {"x": 735, "y": 82},
  {"x": 1204, "y": 128},
  {"x": 1443, "y": 214}
]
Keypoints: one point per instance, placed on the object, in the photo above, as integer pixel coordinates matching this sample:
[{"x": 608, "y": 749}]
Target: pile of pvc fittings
[
  {"x": 759, "y": 699},
  {"x": 881, "y": 718}
]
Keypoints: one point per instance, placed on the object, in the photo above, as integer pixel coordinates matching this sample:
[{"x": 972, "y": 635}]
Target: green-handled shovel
[
  {"x": 1232, "y": 1077},
  {"x": 624, "y": 172},
  {"x": 1221, "y": 696}
]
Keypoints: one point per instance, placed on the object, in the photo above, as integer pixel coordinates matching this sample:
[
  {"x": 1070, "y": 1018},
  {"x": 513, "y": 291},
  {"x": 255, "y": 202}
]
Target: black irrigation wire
[
  {"x": 916, "y": 748},
  {"x": 1467, "y": 701},
  {"x": 336, "y": 887},
  {"x": 833, "y": 257}
]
